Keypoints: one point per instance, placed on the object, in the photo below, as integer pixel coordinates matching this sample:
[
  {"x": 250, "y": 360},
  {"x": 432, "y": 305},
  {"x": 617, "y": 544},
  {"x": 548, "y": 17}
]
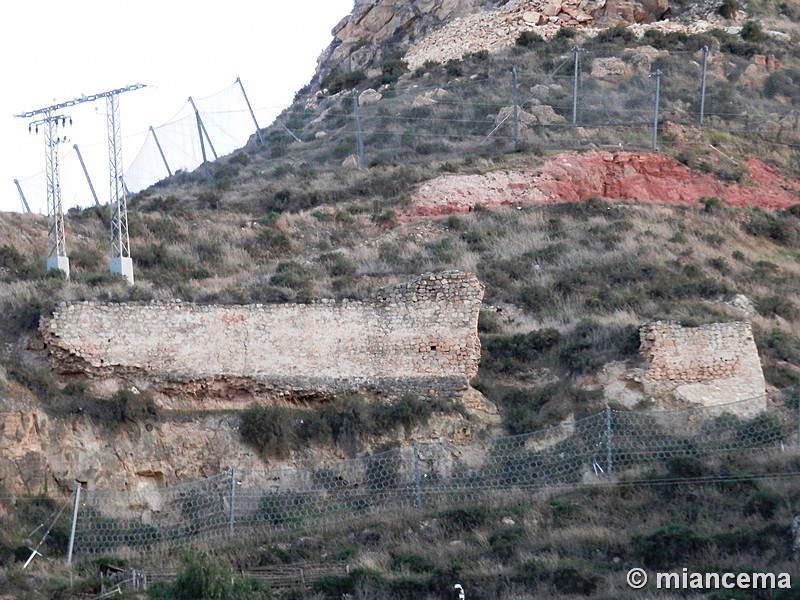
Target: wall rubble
[{"x": 707, "y": 365}]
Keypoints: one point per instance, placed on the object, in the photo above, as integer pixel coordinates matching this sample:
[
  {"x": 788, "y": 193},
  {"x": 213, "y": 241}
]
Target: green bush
[
  {"x": 126, "y": 405},
  {"x": 778, "y": 306},
  {"x": 619, "y": 35},
  {"x": 14, "y": 265},
  {"x": 416, "y": 563},
  {"x": 338, "y": 265},
  {"x": 510, "y": 353},
  {"x": 505, "y": 542},
  {"x": 337, "y": 80},
  {"x": 570, "y": 580},
  {"x": 669, "y": 546},
  {"x": 728, "y": 9},
  {"x": 296, "y": 277},
  {"x": 527, "y": 39},
  {"x": 201, "y": 577},
  {"x": 685, "y": 467},
  {"x": 466, "y": 518},
  {"x": 752, "y": 31},
  {"x": 763, "y": 503},
  {"x": 269, "y": 429}
]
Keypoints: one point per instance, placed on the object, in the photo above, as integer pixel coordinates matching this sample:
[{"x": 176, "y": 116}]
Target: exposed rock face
[
  {"x": 358, "y": 37},
  {"x": 571, "y": 177},
  {"x": 440, "y": 30},
  {"x": 708, "y": 365},
  {"x": 419, "y": 336}
]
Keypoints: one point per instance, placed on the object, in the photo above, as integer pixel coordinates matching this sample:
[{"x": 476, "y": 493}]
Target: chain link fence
[
  {"x": 610, "y": 446},
  {"x": 633, "y": 99}
]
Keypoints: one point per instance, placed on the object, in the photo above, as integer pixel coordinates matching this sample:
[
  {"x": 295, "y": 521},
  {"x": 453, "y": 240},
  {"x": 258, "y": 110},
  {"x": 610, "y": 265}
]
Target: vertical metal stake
[
  {"x": 703, "y": 86},
  {"x": 515, "y": 99},
  {"x": 798, "y": 424},
  {"x": 657, "y": 75},
  {"x": 232, "y": 516},
  {"x": 359, "y": 132},
  {"x": 608, "y": 440},
  {"x": 577, "y": 52},
  {"x": 417, "y": 477},
  {"x": 75, "y": 505}
]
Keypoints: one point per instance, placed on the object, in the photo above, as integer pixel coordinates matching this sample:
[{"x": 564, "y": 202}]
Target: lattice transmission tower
[{"x": 50, "y": 120}]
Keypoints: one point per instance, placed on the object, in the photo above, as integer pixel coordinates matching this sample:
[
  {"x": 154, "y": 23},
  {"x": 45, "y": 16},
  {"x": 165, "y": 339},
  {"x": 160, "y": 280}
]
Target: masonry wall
[
  {"x": 709, "y": 365},
  {"x": 424, "y": 331}
]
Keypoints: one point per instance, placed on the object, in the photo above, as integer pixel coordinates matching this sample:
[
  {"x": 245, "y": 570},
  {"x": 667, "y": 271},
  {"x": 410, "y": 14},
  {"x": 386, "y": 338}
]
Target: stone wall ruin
[
  {"x": 708, "y": 365},
  {"x": 420, "y": 336}
]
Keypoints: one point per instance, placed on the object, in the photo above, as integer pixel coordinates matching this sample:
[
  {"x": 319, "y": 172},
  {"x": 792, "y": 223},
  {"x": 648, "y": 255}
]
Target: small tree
[{"x": 200, "y": 576}]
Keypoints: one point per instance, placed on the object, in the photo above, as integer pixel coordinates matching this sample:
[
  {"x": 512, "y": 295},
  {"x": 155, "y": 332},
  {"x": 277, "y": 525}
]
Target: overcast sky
[{"x": 52, "y": 51}]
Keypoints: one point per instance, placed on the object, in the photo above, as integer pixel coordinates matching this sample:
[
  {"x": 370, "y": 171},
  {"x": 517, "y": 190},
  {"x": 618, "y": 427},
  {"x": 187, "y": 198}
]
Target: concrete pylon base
[
  {"x": 122, "y": 265},
  {"x": 58, "y": 263}
]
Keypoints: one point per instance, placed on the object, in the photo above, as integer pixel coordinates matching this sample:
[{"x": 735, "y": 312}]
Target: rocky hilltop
[{"x": 441, "y": 30}]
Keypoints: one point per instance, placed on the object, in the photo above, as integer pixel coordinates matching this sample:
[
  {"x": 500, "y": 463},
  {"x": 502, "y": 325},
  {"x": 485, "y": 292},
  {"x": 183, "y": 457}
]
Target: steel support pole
[
  {"x": 417, "y": 477},
  {"x": 657, "y": 75},
  {"x": 359, "y": 133},
  {"x": 75, "y": 506},
  {"x": 250, "y": 108},
  {"x": 86, "y": 174},
  {"x": 609, "y": 448},
  {"x": 515, "y": 99},
  {"x": 203, "y": 131},
  {"x": 22, "y": 196},
  {"x": 703, "y": 87},
  {"x": 232, "y": 515},
  {"x": 577, "y": 52},
  {"x": 200, "y": 130},
  {"x": 161, "y": 151}
]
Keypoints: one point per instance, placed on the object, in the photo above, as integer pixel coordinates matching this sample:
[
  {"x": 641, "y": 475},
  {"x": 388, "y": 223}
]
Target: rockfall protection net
[{"x": 600, "y": 448}]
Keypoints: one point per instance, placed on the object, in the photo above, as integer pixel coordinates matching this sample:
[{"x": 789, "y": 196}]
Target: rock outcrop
[
  {"x": 441, "y": 30},
  {"x": 571, "y": 177},
  {"x": 420, "y": 336}
]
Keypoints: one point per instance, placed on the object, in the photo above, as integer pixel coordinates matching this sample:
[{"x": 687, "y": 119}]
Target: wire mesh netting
[
  {"x": 577, "y": 99},
  {"x": 600, "y": 448}
]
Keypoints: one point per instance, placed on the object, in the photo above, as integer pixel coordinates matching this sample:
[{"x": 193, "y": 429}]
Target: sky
[{"x": 52, "y": 51}]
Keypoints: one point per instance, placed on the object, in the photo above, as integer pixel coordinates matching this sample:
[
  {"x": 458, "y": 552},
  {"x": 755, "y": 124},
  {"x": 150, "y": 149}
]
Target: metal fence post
[
  {"x": 232, "y": 512},
  {"x": 359, "y": 132},
  {"x": 797, "y": 413},
  {"x": 577, "y": 52},
  {"x": 75, "y": 505},
  {"x": 417, "y": 477},
  {"x": 608, "y": 440},
  {"x": 657, "y": 75},
  {"x": 703, "y": 86},
  {"x": 515, "y": 99}
]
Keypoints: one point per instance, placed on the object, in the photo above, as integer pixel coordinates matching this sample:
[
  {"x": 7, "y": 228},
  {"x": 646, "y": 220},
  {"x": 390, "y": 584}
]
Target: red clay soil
[{"x": 624, "y": 176}]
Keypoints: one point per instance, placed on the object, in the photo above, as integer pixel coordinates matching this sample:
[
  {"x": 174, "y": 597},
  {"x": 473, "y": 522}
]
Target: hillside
[{"x": 511, "y": 140}]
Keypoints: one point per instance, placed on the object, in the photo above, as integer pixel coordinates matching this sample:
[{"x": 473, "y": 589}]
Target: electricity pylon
[{"x": 51, "y": 120}]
